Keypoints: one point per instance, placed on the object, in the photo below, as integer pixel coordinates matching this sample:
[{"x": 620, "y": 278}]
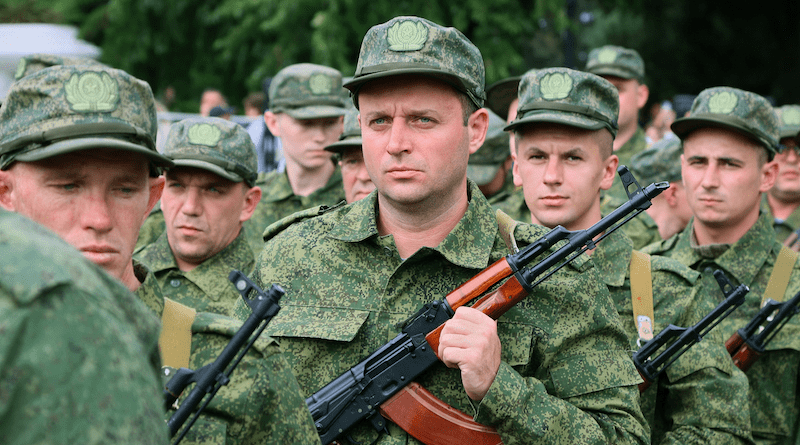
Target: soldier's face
[
  {"x": 562, "y": 171},
  {"x": 355, "y": 178},
  {"x": 787, "y": 184},
  {"x": 724, "y": 174},
  {"x": 304, "y": 140},
  {"x": 96, "y": 200},
  {"x": 415, "y": 143},
  {"x": 203, "y": 213},
  {"x": 632, "y": 97}
]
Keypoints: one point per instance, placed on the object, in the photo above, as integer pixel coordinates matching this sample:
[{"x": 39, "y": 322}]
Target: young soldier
[
  {"x": 728, "y": 140},
  {"x": 784, "y": 197},
  {"x": 209, "y": 194},
  {"x": 563, "y": 133},
  {"x": 662, "y": 162},
  {"x": 355, "y": 177},
  {"x": 306, "y": 109},
  {"x": 77, "y": 155},
  {"x": 355, "y": 274}
]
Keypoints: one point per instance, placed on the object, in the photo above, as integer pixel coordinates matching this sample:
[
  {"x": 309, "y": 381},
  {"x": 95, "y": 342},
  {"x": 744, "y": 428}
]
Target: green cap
[
  {"x": 660, "y": 162},
  {"x": 68, "y": 108},
  {"x": 616, "y": 61},
  {"x": 733, "y": 109},
  {"x": 351, "y": 136},
  {"x": 568, "y": 97},
  {"x": 214, "y": 144},
  {"x": 788, "y": 120},
  {"x": 37, "y": 62},
  {"x": 307, "y": 91},
  {"x": 413, "y": 45},
  {"x": 500, "y": 94},
  {"x": 484, "y": 163}
]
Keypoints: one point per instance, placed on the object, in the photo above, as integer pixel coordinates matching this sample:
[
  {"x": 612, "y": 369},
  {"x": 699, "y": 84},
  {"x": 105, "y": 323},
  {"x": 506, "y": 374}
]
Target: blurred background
[{"x": 183, "y": 47}]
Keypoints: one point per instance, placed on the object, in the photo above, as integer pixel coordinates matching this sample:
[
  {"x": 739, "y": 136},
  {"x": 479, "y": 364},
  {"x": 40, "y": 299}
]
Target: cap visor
[
  {"x": 569, "y": 119},
  {"x": 217, "y": 170},
  {"x": 338, "y": 147},
  {"x": 500, "y": 95},
  {"x": 612, "y": 71},
  {"x": 78, "y": 144},
  {"x": 682, "y": 127},
  {"x": 482, "y": 173},
  {"x": 314, "y": 112}
]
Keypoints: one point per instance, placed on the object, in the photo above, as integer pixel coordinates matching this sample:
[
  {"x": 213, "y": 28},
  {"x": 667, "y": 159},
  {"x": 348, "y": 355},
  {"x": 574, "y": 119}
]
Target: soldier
[
  {"x": 783, "y": 198},
  {"x": 356, "y": 273},
  {"x": 490, "y": 166},
  {"x": 728, "y": 140},
  {"x": 77, "y": 155},
  {"x": 662, "y": 162},
  {"x": 563, "y": 134},
  {"x": 208, "y": 196},
  {"x": 355, "y": 177},
  {"x": 306, "y": 109}
]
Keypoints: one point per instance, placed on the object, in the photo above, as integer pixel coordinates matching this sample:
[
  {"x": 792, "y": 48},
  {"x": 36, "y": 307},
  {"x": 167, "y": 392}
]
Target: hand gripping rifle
[
  {"x": 749, "y": 342},
  {"x": 362, "y": 392},
  {"x": 685, "y": 338},
  {"x": 213, "y": 376}
]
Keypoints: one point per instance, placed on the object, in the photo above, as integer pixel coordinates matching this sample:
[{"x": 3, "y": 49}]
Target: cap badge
[
  {"x": 204, "y": 134},
  {"x": 555, "y": 86},
  {"x": 791, "y": 116},
  {"x": 722, "y": 103},
  {"x": 320, "y": 84},
  {"x": 408, "y": 35},
  {"x": 91, "y": 91},
  {"x": 607, "y": 55}
]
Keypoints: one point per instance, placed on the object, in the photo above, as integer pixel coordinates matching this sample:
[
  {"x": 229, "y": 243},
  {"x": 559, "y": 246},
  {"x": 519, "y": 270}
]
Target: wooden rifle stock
[{"x": 742, "y": 354}]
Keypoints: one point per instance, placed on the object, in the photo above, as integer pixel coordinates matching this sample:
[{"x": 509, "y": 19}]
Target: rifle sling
[
  {"x": 642, "y": 295},
  {"x": 779, "y": 278},
  {"x": 175, "y": 342}
]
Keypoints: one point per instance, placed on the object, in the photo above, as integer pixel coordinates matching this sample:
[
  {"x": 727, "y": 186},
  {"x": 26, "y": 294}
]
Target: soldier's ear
[
  {"x": 271, "y": 119},
  {"x": 252, "y": 197},
  {"x": 156, "y": 189},
  {"x": 6, "y": 190}
]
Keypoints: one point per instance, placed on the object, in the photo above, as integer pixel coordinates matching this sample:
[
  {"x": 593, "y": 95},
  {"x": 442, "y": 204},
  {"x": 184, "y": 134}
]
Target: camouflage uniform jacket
[
  {"x": 565, "y": 375},
  {"x": 774, "y": 380},
  {"x": 78, "y": 352},
  {"x": 261, "y": 404},
  {"x": 152, "y": 228},
  {"x": 702, "y": 397},
  {"x": 279, "y": 201},
  {"x": 514, "y": 206},
  {"x": 783, "y": 227},
  {"x": 505, "y": 192},
  {"x": 206, "y": 287},
  {"x": 642, "y": 230},
  {"x": 636, "y": 144}
]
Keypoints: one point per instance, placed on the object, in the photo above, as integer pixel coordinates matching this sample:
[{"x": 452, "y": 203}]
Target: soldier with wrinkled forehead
[{"x": 553, "y": 369}]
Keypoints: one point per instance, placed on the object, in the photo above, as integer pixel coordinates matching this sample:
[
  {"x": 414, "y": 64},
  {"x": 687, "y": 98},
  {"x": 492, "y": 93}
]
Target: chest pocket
[
  {"x": 337, "y": 324},
  {"x": 516, "y": 340}
]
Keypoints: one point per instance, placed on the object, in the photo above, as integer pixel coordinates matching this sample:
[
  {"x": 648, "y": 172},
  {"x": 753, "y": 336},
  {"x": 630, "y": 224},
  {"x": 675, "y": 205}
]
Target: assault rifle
[
  {"x": 362, "y": 391},
  {"x": 213, "y": 376},
  {"x": 685, "y": 338},
  {"x": 749, "y": 342}
]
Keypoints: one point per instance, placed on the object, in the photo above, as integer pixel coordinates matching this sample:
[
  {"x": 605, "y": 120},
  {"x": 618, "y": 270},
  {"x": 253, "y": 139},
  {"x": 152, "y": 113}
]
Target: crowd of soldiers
[{"x": 400, "y": 184}]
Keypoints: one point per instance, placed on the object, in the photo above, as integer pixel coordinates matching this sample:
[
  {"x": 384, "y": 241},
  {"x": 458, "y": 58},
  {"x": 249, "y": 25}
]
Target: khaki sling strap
[
  {"x": 642, "y": 295},
  {"x": 175, "y": 341},
  {"x": 779, "y": 279}
]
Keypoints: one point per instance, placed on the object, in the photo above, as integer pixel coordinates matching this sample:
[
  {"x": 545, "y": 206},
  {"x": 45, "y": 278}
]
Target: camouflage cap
[
  {"x": 413, "y": 45},
  {"x": 484, "y": 163},
  {"x": 307, "y": 91},
  {"x": 37, "y": 62},
  {"x": 214, "y": 144},
  {"x": 351, "y": 136},
  {"x": 500, "y": 94},
  {"x": 616, "y": 61},
  {"x": 63, "y": 109},
  {"x": 660, "y": 162},
  {"x": 788, "y": 121},
  {"x": 568, "y": 97},
  {"x": 733, "y": 109}
]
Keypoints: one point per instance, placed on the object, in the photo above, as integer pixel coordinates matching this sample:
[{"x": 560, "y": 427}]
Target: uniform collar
[
  {"x": 280, "y": 189},
  {"x": 149, "y": 291}
]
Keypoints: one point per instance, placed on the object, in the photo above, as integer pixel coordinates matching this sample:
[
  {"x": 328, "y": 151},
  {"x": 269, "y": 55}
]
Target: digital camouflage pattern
[
  {"x": 702, "y": 397},
  {"x": 567, "y": 97},
  {"x": 636, "y": 144},
  {"x": 37, "y": 62},
  {"x": 262, "y": 403},
  {"x": 307, "y": 91},
  {"x": 565, "y": 375},
  {"x": 413, "y": 45},
  {"x": 788, "y": 121},
  {"x": 783, "y": 227},
  {"x": 351, "y": 133},
  {"x": 616, "y": 61},
  {"x": 774, "y": 392},
  {"x": 660, "y": 162},
  {"x": 279, "y": 201},
  {"x": 79, "y": 357},
  {"x": 642, "y": 229},
  {"x": 734, "y": 109},
  {"x": 206, "y": 287},
  {"x": 214, "y": 144},
  {"x": 484, "y": 163},
  {"x": 66, "y": 108},
  {"x": 153, "y": 226}
]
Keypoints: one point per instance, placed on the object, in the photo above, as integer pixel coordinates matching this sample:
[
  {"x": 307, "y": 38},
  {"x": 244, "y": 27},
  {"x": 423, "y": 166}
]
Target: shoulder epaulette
[{"x": 283, "y": 223}]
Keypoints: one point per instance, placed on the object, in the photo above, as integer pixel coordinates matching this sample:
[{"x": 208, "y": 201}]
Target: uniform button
[{"x": 175, "y": 283}]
